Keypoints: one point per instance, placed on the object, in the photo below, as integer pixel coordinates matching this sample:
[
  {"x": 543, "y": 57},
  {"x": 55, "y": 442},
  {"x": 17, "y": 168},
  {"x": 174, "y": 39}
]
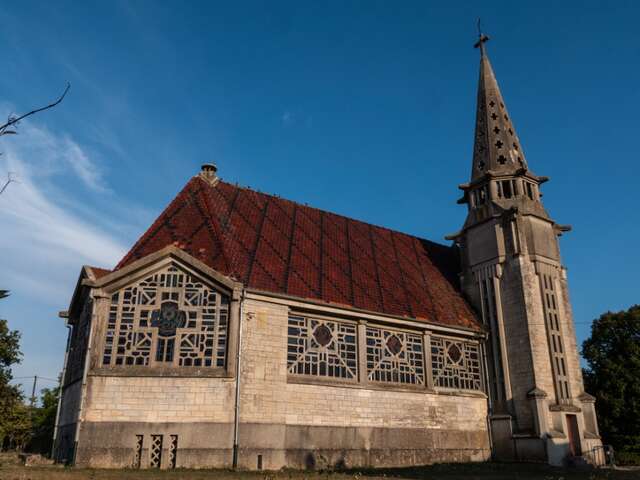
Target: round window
[
  {"x": 454, "y": 353},
  {"x": 322, "y": 335}
]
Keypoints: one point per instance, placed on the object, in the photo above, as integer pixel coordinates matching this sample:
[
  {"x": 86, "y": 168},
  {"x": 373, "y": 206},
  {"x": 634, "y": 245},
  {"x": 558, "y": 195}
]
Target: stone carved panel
[
  {"x": 169, "y": 318},
  {"x": 456, "y": 364},
  {"x": 394, "y": 356},
  {"x": 322, "y": 348},
  {"x": 79, "y": 343}
]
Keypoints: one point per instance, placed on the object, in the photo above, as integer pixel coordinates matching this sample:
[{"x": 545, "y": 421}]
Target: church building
[{"x": 245, "y": 330}]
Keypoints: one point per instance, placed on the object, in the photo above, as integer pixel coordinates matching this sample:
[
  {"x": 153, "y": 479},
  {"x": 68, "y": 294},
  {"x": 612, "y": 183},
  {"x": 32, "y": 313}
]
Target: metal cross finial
[{"x": 482, "y": 39}]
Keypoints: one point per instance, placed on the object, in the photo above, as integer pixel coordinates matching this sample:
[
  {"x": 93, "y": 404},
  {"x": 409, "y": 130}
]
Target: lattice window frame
[
  {"x": 395, "y": 357},
  {"x": 79, "y": 342},
  {"x": 307, "y": 357},
  {"x": 555, "y": 337},
  {"x": 173, "y": 451},
  {"x": 138, "y": 449},
  {"x": 132, "y": 336},
  {"x": 466, "y": 374},
  {"x": 155, "y": 451}
]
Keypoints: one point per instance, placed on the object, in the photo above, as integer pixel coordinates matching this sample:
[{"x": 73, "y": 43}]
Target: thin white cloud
[
  {"x": 43, "y": 238},
  {"x": 86, "y": 170},
  {"x": 60, "y": 216}
]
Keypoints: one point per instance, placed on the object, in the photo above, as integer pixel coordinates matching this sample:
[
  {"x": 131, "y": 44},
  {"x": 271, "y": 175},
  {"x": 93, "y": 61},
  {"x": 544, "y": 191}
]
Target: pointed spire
[{"x": 496, "y": 145}]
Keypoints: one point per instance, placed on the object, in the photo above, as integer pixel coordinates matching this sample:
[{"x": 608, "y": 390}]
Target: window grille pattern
[
  {"x": 170, "y": 318},
  {"x": 155, "y": 458},
  {"x": 79, "y": 342},
  {"x": 456, "y": 364},
  {"x": 173, "y": 450},
  {"x": 137, "y": 458},
  {"x": 554, "y": 335},
  {"x": 394, "y": 356},
  {"x": 322, "y": 348}
]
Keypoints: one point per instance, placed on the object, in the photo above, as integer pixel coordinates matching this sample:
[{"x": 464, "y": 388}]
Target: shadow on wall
[{"x": 311, "y": 463}]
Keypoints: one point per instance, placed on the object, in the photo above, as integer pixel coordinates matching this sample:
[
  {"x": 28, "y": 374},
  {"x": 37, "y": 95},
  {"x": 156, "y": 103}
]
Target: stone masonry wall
[
  {"x": 158, "y": 399},
  {"x": 198, "y": 410},
  {"x": 304, "y": 425}
]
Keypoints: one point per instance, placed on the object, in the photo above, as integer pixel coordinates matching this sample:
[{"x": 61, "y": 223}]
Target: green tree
[
  {"x": 10, "y": 395},
  {"x": 43, "y": 422},
  {"x": 18, "y": 426},
  {"x": 612, "y": 375}
]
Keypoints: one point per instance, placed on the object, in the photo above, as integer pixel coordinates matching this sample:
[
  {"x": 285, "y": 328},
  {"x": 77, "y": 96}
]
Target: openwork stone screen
[
  {"x": 79, "y": 343},
  {"x": 394, "y": 356},
  {"x": 169, "y": 318},
  {"x": 456, "y": 364},
  {"x": 322, "y": 348},
  {"x": 554, "y": 335}
]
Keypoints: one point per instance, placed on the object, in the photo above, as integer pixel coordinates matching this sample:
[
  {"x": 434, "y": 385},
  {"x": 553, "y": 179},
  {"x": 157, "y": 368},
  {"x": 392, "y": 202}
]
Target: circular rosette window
[{"x": 322, "y": 335}]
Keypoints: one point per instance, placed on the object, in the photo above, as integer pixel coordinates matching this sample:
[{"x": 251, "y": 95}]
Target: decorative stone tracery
[
  {"x": 331, "y": 349},
  {"x": 169, "y": 318},
  {"x": 79, "y": 341},
  {"x": 394, "y": 356},
  {"x": 456, "y": 364},
  {"x": 322, "y": 348}
]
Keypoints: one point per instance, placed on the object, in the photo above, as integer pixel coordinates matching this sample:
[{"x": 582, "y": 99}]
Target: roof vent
[{"x": 208, "y": 172}]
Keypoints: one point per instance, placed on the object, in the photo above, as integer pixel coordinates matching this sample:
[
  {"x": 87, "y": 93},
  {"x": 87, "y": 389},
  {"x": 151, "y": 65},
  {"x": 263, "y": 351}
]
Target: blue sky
[{"x": 361, "y": 108}]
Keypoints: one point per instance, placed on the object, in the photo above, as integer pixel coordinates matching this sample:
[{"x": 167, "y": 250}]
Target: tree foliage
[
  {"x": 612, "y": 375},
  {"x": 22, "y": 427},
  {"x": 11, "y": 421},
  {"x": 43, "y": 422}
]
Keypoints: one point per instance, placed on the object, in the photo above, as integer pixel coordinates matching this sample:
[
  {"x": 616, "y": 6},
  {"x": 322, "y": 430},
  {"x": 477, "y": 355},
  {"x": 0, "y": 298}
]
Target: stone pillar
[
  {"x": 234, "y": 329},
  {"x": 362, "y": 351},
  {"x": 539, "y": 406},
  {"x": 426, "y": 342}
]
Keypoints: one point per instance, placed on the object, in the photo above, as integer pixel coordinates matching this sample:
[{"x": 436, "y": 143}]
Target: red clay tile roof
[
  {"x": 99, "y": 272},
  {"x": 279, "y": 246}
]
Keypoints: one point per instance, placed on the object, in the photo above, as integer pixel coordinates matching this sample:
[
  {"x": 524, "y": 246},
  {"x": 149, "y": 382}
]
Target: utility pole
[{"x": 33, "y": 391}]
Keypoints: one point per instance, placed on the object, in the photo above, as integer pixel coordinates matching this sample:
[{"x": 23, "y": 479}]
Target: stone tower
[{"x": 513, "y": 276}]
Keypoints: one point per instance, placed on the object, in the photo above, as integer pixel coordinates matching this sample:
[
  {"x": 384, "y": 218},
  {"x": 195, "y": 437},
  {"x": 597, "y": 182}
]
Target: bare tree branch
[
  {"x": 4, "y": 129},
  {"x": 10, "y": 179}
]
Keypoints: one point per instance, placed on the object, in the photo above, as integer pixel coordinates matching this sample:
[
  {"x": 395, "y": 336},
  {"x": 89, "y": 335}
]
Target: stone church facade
[{"x": 245, "y": 330}]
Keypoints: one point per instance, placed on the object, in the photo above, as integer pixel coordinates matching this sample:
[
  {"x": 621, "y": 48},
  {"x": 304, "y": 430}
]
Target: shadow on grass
[{"x": 491, "y": 470}]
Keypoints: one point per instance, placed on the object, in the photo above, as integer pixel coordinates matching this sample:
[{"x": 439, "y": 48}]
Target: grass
[{"x": 12, "y": 470}]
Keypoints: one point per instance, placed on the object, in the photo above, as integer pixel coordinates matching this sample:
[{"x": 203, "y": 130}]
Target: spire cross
[{"x": 482, "y": 39}]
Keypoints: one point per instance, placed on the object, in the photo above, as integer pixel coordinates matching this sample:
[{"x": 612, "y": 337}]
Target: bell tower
[{"x": 513, "y": 276}]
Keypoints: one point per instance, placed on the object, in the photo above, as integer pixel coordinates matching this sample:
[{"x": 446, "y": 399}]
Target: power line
[{"x": 39, "y": 377}]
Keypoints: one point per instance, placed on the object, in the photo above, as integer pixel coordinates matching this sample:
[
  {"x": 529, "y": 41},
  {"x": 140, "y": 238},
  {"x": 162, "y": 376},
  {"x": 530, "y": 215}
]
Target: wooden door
[{"x": 574, "y": 435}]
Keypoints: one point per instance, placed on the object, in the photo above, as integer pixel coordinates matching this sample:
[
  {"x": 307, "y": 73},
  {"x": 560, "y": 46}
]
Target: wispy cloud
[
  {"x": 83, "y": 167},
  {"x": 44, "y": 238}
]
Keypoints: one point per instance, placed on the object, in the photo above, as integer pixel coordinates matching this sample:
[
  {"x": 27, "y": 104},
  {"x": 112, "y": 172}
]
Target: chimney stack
[{"x": 208, "y": 172}]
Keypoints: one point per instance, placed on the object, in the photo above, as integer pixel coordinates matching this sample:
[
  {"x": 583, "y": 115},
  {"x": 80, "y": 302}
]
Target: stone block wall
[
  {"x": 287, "y": 423},
  {"x": 283, "y": 422},
  {"x": 117, "y": 409}
]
